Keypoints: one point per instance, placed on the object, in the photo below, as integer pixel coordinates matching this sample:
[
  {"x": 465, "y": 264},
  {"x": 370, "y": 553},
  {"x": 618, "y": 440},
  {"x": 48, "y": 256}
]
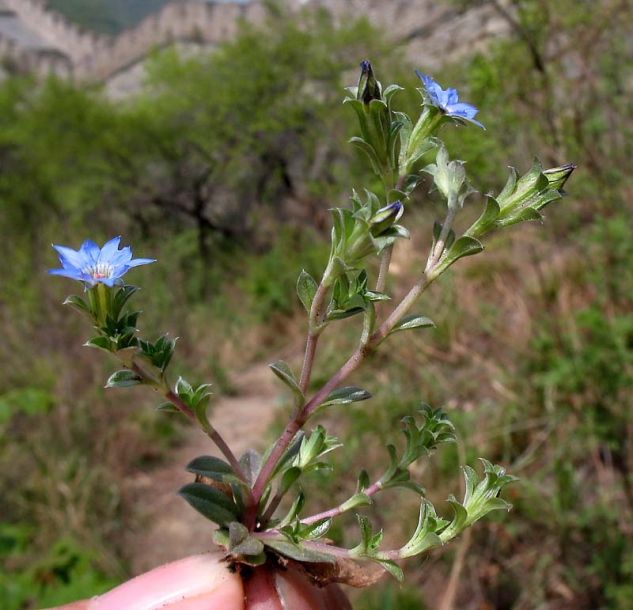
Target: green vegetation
[{"x": 225, "y": 160}]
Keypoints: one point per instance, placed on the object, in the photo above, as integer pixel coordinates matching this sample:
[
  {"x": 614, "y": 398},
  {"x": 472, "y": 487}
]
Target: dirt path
[{"x": 169, "y": 528}]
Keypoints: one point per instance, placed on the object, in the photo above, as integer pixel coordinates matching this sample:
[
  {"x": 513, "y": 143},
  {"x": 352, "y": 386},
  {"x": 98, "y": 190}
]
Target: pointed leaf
[
  {"x": 299, "y": 553},
  {"x": 251, "y": 463},
  {"x": 412, "y": 321},
  {"x": 283, "y": 372},
  {"x": 241, "y": 542},
  {"x": 345, "y": 395},
  {"x": 211, "y": 467},
  {"x": 392, "y": 567},
  {"x": 123, "y": 379},
  {"x": 103, "y": 343},
  {"x": 464, "y": 246},
  {"x": 306, "y": 289},
  {"x": 315, "y": 530},
  {"x": 487, "y": 219},
  {"x": 168, "y": 407},
  {"x": 211, "y": 503}
]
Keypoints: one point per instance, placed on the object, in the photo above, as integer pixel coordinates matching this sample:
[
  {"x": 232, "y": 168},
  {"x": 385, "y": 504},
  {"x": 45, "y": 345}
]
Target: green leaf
[
  {"x": 289, "y": 477},
  {"x": 525, "y": 214},
  {"x": 251, "y": 463},
  {"x": 344, "y": 396},
  {"x": 283, "y": 372},
  {"x": 123, "y": 379},
  {"x": 412, "y": 321},
  {"x": 121, "y": 297},
  {"x": 510, "y": 185},
  {"x": 222, "y": 539},
  {"x": 392, "y": 567},
  {"x": 168, "y": 407},
  {"x": 211, "y": 503},
  {"x": 183, "y": 388},
  {"x": 299, "y": 553},
  {"x": 241, "y": 542},
  {"x": 358, "y": 499},
  {"x": 213, "y": 468},
  {"x": 295, "y": 509},
  {"x": 306, "y": 289},
  {"x": 464, "y": 246},
  {"x": 315, "y": 530},
  {"x": 341, "y": 314},
  {"x": 487, "y": 219},
  {"x": 78, "y": 304},
  {"x": 103, "y": 343}
]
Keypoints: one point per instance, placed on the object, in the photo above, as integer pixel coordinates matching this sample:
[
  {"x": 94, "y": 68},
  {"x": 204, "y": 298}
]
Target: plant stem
[
  {"x": 323, "y": 547},
  {"x": 385, "y": 261},
  {"x": 314, "y": 330},
  {"x": 355, "y": 360},
  {"x": 212, "y": 433},
  {"x": 441, "y": 242},
  {"x": 340, "y": 509}
]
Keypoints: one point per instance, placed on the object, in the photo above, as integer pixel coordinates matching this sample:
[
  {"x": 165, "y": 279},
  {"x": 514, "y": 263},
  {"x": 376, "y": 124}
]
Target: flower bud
[
  {"x": 557, "y": 176},
  {"x": 385, "y": 218},
  {"x": 450, "y": 179},
  {"x": 368, "y": 87}
]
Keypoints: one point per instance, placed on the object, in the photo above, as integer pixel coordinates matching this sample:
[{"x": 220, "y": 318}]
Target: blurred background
[{"x": 212, "y": 137}]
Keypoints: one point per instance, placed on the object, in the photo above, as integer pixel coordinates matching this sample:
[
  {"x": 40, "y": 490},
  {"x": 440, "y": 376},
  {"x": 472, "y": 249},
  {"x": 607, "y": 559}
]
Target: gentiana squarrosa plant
[{"x": 243, "y": 494}]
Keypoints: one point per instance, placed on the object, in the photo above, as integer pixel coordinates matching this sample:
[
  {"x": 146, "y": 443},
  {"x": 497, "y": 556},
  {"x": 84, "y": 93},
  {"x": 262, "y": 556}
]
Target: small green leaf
[
  {"x": 487, "y": 219},
  {"x": 299, "y": 553},
  {"x": 241, "y": 542},
  {"x": 412, "y": 321},
  {"x": 251, "y": 463},
  {"x": 464, "y": 246},
  {"x": 211, "y": 503},
  {"x": 168, "y": 407},
  {"x": 344, "y": 396},
  {"x": 212, "y": 468},
  {"x": 392, "y": 567},
  {"x": 315, "y": 530},
  {"x": 103, "y": 343},
  {"x": 358, "y": 499},
  {"x": 123, "y": 379},
  {"x": 78, "y": 304},
  {"x": 306, "y": 289},
  {"x": 341, "y": 314},
  {"x": 288, "y": 478},
  {"x": 121, "y": 297},
  {"x": 295, "y": 509},
  {"x": 283, "y": 372}
]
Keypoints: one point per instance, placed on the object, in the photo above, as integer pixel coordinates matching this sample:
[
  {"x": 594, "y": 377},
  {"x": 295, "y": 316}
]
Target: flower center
[{"x": 100, "y": 271}]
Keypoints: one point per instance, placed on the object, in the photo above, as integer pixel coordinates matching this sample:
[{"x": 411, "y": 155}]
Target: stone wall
[
  {"x": 181, "y": 21},
  {"x": 62, "y": 35}
]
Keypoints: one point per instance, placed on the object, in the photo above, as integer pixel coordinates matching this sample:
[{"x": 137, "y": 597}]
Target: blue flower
[
  {"x": 448, "y": 101},
  {"x": 91, "y": 264}
]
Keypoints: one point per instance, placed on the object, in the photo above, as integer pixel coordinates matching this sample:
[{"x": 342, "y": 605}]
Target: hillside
[{"x": 106, "y": 16}]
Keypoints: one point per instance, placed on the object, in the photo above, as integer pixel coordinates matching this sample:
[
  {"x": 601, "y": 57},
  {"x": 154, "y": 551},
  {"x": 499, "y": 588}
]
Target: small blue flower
[
  {"x": 448, "y": 101},
  {"x": 91, "y": 264}
]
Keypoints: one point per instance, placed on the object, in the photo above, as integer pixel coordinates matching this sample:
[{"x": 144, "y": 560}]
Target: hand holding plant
[{"x": 264, "y": 527}]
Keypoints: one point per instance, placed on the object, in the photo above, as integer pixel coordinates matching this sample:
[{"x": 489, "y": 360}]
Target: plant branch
[{"x": 211, "y": 432}]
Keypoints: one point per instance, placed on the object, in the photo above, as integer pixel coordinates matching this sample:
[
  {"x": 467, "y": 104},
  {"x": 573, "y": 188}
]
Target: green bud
[
  {"x": 385, "y": 218},
  {"x": 450, "y": 179},
  {"x": 368, "y": 87},
  {"x": 557, "y": 176}
]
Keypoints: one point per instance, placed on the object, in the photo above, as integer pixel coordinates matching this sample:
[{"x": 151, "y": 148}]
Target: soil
[{"x": 168, "y": 528}]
